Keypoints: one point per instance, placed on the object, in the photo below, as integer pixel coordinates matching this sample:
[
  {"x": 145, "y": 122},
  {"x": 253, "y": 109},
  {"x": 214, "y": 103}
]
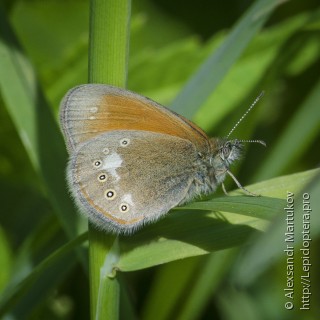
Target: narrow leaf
[
  {"x": 194, "y": 232},
  {"x": 211, "y": 72}
]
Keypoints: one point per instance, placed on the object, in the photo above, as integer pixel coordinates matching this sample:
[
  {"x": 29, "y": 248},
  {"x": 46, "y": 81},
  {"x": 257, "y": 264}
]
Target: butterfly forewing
[{"x": 90, "y": 110}]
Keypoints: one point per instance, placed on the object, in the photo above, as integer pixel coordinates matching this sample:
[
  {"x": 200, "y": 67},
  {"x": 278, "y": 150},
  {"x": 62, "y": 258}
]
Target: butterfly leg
[
  {"x": 240, "y": 186},
  {"x": 224, "y": 189}
]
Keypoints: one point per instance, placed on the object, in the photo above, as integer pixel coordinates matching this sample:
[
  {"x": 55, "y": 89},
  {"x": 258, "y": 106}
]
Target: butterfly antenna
[
  {"x": 254, "y": 141},
  {"x": 245, "y": 114}
]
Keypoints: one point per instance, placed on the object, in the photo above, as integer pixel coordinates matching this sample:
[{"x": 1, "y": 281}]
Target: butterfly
[{"x": 132, "y": 160}]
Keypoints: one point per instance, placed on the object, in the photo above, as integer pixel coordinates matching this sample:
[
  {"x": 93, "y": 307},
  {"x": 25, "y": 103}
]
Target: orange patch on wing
[{"x": 126, "y": 113}]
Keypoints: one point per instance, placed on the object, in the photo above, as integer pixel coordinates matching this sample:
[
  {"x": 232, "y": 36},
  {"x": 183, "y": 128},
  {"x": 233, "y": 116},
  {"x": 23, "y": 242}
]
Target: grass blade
[
  {"x": 266, "y": 248},
  {"x": 35, "y": 124},
  {"x": 296, "y": 138},
  {"x": 11, "y": 295},
  {"x": 193, "y": 232},
  {"x": 211, "y": 72},
  {"x": 108, "y": 60}
]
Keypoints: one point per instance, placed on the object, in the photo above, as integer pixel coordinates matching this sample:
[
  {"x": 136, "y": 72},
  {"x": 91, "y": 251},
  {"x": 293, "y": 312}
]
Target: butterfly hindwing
[{"x": 127, "y": 178}]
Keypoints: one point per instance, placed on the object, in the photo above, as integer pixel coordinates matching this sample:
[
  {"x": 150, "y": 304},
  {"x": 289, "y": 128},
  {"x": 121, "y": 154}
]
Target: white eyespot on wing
[
  {"x": 102, "y": 177},
  {"x": 97, "y": 163},
  {"x": 110, "y": 194},
  {"x": 124, "y": 142},
  {"x": 111, "y": 163},
  {"x": 124, "y": 207}
]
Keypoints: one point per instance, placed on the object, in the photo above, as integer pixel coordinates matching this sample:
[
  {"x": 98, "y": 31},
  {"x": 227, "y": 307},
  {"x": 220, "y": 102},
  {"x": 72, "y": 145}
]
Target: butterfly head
[
  {"x": 229, "y": 151},
  {"x": 224, "y": 153}
]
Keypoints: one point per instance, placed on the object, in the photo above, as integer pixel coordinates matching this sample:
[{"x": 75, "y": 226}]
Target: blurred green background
[{"x": 169, "y": 41}]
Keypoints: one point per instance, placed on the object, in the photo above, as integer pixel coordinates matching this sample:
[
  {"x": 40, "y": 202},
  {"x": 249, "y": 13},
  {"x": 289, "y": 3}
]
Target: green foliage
[{"x": 219, "y": 257}]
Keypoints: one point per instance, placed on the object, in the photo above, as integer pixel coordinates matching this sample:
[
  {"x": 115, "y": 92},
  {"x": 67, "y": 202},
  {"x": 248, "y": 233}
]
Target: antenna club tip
[{"x": 262, "y": 142}]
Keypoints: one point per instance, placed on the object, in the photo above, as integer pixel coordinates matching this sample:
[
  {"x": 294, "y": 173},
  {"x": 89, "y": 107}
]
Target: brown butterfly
[{"x": 132, "y": 160}]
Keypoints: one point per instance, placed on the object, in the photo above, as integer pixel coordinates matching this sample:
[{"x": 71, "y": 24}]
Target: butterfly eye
[
  {"x": 102, "y": 177},
  {"x": 226, "y": 150},
  {"x": 110, "y": 194},
  {"x": 124, "y": 142},
  {"x": 124, "y": 207}
]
